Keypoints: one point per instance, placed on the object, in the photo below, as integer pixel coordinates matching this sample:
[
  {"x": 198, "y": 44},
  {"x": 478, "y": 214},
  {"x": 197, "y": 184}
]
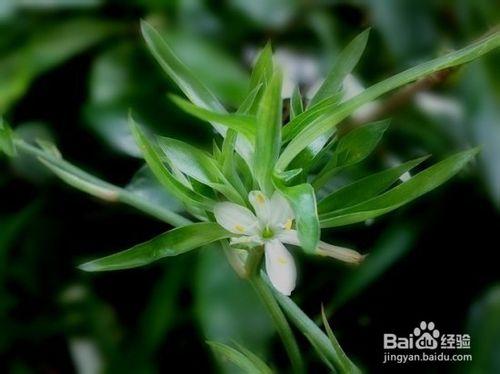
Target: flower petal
[
  {"x": 235, "y": 218},
  {"x": 281, "y": 211},
  {"x": 261, "y": 205},
  {"x": 289, "y": 237},
  {"x": 280, "y": 267},
  {"x": 340, "y": 253}
]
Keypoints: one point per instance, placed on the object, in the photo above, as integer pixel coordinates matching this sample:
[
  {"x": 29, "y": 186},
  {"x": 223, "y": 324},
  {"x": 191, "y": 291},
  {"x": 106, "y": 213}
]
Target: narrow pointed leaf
[
  {"x": 351, "y": 149},
  {"x": 268, "y": 140},
  {"x": 344, "y": 64},
  {"x": 346, "y": 363},
  {"x": 263, "y": 69},
  {"x": 195, "y": 90},
  {"x": 415, "y": 187},
  {"x": 153, "y": 159},
  {"x": 198, "y": 165},
  {"x": 250, "y": 104},
  {"x": 293, "y": 128},
  {"x": 171, "y": 243},
  {"x": 190, "y": 160},
  {"x": 248, "y": 364},
  {"x": 365, "y": 188},
  {"x": 243, "y": 124},
  {"x": 6, "y": 139},
  {"x": 296, "y": 105},
  {"x": 331, "y": 116}
]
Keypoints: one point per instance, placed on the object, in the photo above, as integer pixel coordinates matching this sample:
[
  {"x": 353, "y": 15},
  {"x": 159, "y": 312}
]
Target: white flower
[{"x": 271, "y": 226}]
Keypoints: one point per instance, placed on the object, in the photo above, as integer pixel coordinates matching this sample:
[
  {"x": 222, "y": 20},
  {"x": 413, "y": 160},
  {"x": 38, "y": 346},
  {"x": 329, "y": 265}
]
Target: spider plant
[{"x": 258, "y": 189}]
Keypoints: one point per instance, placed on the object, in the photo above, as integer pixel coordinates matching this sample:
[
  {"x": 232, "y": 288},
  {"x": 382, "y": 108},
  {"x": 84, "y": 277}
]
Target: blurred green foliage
[{"x": 77, "y": 67}]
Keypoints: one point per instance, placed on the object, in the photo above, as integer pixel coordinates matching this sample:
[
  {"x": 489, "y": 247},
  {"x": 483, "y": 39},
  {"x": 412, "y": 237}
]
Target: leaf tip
[{"x": 90, "y": 266}]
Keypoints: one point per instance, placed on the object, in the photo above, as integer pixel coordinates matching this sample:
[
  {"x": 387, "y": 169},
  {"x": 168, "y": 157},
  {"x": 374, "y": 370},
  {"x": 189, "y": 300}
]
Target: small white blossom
[{"x": 270, "y": 225}]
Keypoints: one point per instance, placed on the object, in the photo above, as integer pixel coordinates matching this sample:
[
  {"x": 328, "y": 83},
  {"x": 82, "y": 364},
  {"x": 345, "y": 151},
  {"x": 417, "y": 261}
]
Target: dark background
[{"x": 440, "y": 251}]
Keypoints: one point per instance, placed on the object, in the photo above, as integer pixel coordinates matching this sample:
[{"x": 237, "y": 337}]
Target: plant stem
[
  {"x": 280, "y": 322},
  {"x": 82, "y": 180},
  {"x": 316, "y": 336}
]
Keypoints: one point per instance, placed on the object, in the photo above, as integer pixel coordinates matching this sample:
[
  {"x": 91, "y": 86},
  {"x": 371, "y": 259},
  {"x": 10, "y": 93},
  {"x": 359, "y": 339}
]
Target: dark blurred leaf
[
  {"x": 482, "y": 123},
  {"x": 226, "y": 306},
  {"x": 247, "y": 363},
  {"x": 49, "y": 47},
  {"x": 484, "y": 328},
  {"x": 393, "y": 244},
  {"x": 6, "y": 141},
  {"x": 162, "y": 310},
  {"x": 267, "y": 13},
  {"x": 147, "y": 187}
]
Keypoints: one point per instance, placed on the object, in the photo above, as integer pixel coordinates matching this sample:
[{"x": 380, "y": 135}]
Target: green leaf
[
  {"x": 351, "y": 149},
  {"x": 296, "y": 105},
  {"x": 222, "y": 300},
  {"x": 263, "y": 69},
  {"x": 49, "y": 47},
  {"x": 293, "y": 128},
  {"x": 145, "y": 186},
  {"x": 207, "y": 57},
  {"x": 6, "y": 139},
  {"x": 346, "y": 363},
  {"x": 418, "y": 185},
  {"x": 195, "y": 90},
  {"x": 484, "y": 328},
  {"x": 365, "y": 188},
  {"x": 198, "y": 165},
  {"x": 249, "y": 106},
  {"x": 190, "y": 160},
  {"x": 303, "y": 202},
  {"x": 154, "y": 161},
  {"x": 240, "y": 122},
  {"x": 329, "y": 116},
  {"x": 171, "y": 243},
  {"x": 248, "y": 364},
  {"x": 90, "y": 184},
  {"x": 344, "y": 64},
  {"x": 268, "y": 140}
]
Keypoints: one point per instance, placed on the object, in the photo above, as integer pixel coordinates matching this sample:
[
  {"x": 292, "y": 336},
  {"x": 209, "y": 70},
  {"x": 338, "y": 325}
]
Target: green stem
[
  {"x": 280, "y": 322},
  {"x": 316, "y": 336},
  {"x": 90, "y": 184}
]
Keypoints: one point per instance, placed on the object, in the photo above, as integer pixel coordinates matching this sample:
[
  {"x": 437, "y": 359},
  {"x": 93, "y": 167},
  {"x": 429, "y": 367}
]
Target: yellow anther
[
  {"x": 239, "y": 228},
  {"x": 288, "y": 224},
  {"x": 282, "y": 261},
  {"x": 260, "y": 199}
]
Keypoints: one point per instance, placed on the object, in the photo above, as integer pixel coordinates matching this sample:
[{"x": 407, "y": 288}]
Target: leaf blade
[
  {"x": 268, "y": 139},
  {"x": 402, "y": 194},
  {"x": 171, "y": 243},
  {"x": 365, "y": 188},
  {"x": 344, "y": 64},
  {"x": 330, "y": 116}
]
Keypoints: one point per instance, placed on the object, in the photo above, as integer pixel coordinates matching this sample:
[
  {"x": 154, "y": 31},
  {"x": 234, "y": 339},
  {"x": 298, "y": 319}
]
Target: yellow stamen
[
  {"x": 260, "y": 199},
  {"x": 239, "y": 228},
  {"x": 288, "y": 224}
]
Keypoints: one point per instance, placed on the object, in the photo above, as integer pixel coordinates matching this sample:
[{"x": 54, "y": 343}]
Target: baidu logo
[{"x": 426, "y": 336}]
